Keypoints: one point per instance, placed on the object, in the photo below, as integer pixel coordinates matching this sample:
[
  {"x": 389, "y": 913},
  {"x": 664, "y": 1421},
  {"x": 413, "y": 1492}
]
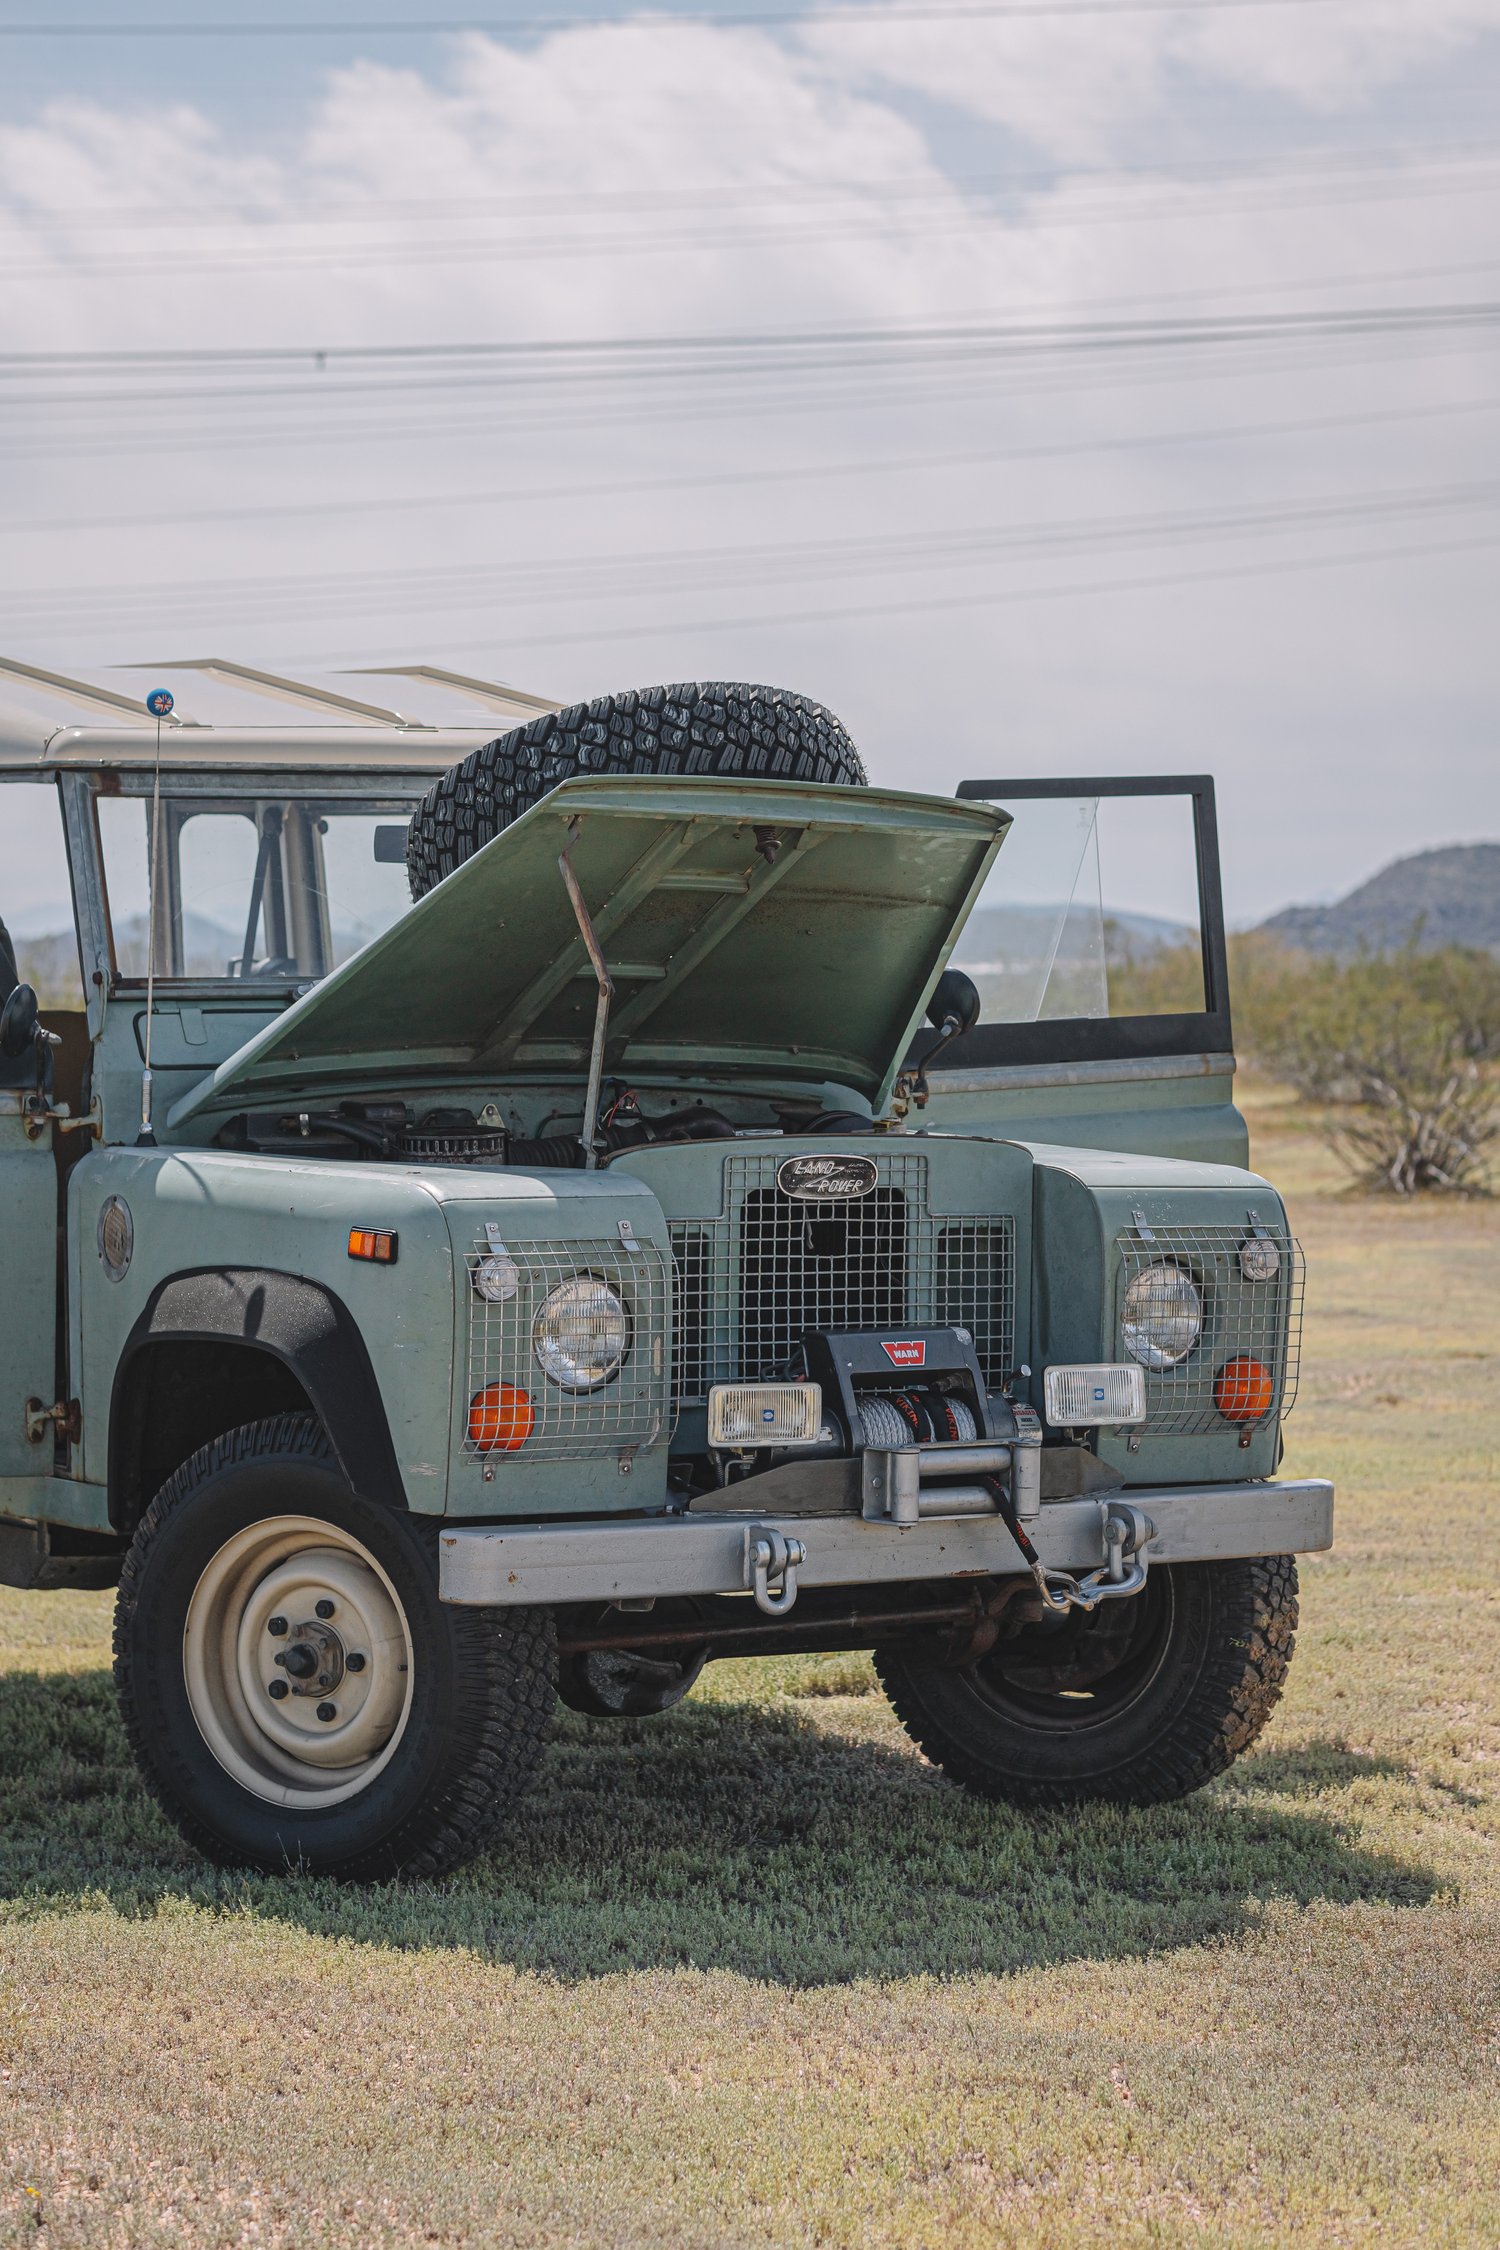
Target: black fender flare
[{"x": 288, "y": 1318}]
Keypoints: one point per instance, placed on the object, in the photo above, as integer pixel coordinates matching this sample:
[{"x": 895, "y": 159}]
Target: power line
[
  {"x": 740, "y": 195},
  {"x": 1078, "y": 589},
  {"x": 936, "y": 12},
  {"x": 896, "y": 389},
  {"x": 254, "y": 254},
  {"x": 618, "y": 359},
  {"x": 626, "y": 574},
  {"x": 799, "y": 473}
]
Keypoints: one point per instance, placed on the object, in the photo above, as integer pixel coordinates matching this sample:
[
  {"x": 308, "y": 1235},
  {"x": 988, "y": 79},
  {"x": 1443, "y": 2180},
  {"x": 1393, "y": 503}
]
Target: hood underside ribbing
[{"x": 756, "y": 932}]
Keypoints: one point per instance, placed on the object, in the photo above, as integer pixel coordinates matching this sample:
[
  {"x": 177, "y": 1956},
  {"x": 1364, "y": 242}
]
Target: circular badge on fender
[
  {"x": 116, "y": 1236},
  {"x": 826, "y": 1179}
]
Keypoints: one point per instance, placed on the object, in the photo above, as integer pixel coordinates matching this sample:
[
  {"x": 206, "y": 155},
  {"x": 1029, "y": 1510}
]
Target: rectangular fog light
[
  {"x": 743, "y": 1414},
  {"x": 1078, "y": 1398}
]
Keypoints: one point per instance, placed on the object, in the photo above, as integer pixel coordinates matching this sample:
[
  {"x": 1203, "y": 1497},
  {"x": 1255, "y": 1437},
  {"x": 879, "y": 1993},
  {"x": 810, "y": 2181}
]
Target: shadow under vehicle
[{"x": 727, "y": 1213}]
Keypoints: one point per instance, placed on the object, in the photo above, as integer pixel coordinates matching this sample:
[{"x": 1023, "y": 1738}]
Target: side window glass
[
  {"x": 364, "y": 869},
  {"x": 36, "y": 897},
  {"x": 216, "y": 857},
  {"x": 1091, "y": 910}
]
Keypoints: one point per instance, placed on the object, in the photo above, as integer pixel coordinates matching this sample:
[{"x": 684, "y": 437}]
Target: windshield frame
[
  {"x": 397, "y": 793},
  {"x": 1079, "y": 1039}
]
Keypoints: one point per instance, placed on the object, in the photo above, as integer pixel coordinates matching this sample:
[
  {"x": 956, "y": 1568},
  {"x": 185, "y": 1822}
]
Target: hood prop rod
[{"x": 606, "y": 983}]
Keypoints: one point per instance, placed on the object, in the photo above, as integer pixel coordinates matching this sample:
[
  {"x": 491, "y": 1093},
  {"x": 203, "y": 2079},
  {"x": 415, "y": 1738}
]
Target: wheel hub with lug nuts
[
  {"x": 313, "y": 1659},
  {"x": 297, "y": 1661}
]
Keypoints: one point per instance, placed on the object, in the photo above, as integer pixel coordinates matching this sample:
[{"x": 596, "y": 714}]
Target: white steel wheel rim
[{"x": 278, "y": 1572}]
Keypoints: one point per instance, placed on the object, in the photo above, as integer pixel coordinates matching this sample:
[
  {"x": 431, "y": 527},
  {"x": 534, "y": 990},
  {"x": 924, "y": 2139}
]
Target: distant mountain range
[{"x": 1447, "y": 897}]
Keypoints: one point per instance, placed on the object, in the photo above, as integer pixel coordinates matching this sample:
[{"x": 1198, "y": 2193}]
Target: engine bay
[{"x": 397, "y": 1132}]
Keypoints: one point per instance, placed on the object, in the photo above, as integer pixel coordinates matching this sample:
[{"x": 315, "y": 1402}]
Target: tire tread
[
  {"x": 505, "y": 1661},
  {"x": 1237, "y": 1690},
  {"x": 697, "y": 727}
]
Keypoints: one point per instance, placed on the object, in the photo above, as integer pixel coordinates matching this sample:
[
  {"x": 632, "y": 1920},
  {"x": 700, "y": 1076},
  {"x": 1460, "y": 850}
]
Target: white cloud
[
  {"x": 1307, "y": 693},
  {"x": 1080, "y": 90}
]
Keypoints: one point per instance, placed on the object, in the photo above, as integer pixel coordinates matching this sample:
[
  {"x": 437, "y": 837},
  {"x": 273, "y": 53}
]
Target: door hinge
[{"x": 66, "y": 1418}]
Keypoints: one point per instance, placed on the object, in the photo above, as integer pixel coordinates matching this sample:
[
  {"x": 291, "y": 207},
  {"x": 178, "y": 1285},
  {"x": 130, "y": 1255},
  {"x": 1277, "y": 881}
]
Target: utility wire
[
  {"x": 625, "y": 574},
  {"x": 615, "y": 357},
  {"x": 884, "y": 465},
  {"x": 982, "y": 385},
  {"x": 251, "y": 255},
  {"x": 1076, "y": 590},
  {"x": 1313, "y": 163},
  {"x": 936, "y": 12}
]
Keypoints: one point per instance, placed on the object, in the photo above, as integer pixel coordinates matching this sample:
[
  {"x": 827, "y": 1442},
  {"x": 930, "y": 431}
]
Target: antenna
[{"x": 158, "y": 703}]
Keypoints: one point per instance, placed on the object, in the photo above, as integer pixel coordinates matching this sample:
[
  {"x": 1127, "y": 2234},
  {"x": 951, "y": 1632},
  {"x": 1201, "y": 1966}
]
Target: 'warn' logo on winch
[{"x": 912, "y": 1353}]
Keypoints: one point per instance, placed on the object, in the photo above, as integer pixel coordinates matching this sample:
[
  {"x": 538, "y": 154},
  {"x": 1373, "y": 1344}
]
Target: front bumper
[{"x": 553, "y": 1563}]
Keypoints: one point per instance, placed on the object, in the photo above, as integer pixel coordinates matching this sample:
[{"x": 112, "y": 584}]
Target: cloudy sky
[{"x": 1047, "y": 387}]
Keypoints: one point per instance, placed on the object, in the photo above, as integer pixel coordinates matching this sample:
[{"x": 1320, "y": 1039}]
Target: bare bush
[{"x": 1399, "y": 1049}]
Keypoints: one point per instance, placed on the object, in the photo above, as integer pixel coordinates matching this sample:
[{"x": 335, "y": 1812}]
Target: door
[
  {"x": 36, "y": 902},
  {"x": 1097, "y": 945},
  {"x": 28, "y": 1274}
]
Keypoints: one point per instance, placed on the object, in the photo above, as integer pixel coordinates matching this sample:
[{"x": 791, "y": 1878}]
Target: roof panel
[{"x": 51, "y": 716}]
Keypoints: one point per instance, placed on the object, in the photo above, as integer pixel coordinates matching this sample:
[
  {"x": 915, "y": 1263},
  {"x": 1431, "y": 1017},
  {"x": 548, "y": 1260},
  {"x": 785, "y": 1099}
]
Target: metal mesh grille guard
[
  {"x": 770, "y": 1265},
  {"x": 1255, "y": 1319},
  {"x": 631, "y": 1409}
]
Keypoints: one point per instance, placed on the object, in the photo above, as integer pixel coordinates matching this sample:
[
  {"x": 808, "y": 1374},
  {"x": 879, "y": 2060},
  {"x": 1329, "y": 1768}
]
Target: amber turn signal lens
[
  {"x": 1243, "y": 1390},
  {"x": 500, "y": 1418},
  {"x": 377, "y": 1244}
]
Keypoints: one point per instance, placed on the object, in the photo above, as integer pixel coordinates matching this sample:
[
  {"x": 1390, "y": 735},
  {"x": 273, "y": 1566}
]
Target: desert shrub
[{"x": 1398, "y": 1048}]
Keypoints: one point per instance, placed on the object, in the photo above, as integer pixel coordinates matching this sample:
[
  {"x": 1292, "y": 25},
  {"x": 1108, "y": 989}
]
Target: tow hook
[
  {"x": 1128, "y": 1531},
  {"x": 771, "y": 1565}
]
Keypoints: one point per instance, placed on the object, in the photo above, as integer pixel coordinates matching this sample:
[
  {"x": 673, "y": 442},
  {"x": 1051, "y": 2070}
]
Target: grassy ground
[{"x": 752, "y": 1974}]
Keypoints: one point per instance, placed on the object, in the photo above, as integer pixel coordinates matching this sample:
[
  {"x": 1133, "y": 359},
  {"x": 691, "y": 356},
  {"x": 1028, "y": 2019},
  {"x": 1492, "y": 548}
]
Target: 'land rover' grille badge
[{"x": 826, "y": 1179}]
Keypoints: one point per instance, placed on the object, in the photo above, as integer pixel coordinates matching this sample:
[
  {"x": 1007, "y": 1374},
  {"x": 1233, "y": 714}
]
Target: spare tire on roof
[{"x": 708, "y": 727}]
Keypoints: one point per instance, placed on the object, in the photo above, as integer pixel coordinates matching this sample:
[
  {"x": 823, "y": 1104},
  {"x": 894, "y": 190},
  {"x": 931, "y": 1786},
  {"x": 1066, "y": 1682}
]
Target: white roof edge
[
  {"x": 232, "y": 712},
  {"x": 69, "y": 749}
]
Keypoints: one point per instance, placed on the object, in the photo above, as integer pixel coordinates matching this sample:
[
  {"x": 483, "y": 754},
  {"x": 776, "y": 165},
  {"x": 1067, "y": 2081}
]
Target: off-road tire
[
  {"x": 1203, "y": 1672},
  {"x": 701, "y": 727},
  {"x": 478, "y": 1707}
]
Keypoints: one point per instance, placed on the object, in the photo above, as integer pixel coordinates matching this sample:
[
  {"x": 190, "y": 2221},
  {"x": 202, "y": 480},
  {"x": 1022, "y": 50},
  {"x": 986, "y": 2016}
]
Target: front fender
[{"x": 293, "y": 1320}]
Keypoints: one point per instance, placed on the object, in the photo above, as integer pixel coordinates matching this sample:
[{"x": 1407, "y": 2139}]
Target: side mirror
[
  {"x": 18, "y": 1023},
  {"x": 955, "y": 1003},
  {"x": 390, "y": 846}
]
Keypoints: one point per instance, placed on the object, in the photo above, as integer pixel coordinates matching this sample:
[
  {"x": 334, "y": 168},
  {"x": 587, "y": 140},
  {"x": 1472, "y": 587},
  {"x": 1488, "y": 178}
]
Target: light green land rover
[{"x": 733, "y": 1210}]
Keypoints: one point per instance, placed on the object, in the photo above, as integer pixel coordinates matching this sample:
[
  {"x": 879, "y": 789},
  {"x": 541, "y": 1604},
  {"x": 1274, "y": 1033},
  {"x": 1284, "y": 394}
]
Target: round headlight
[
  {"x": 582, "y": 1333},
  {"x": 1163, "y": 1316}
]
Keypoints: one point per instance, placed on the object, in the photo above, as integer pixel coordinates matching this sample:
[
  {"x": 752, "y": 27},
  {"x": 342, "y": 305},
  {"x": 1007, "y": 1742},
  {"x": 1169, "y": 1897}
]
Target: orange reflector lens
[
  {"x": 1243, "y": 1390},
  {"x": 500, "y": 1418},
  {"x": 377, "y": 1244}
]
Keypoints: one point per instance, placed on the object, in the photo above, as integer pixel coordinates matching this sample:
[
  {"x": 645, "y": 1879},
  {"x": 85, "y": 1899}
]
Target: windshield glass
[
  {"x": 1090, "y": 910},
  {"x": 279, "y": 888}
]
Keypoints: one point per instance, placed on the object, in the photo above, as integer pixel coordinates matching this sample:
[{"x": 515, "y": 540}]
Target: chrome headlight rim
[
  {"x": 1161, "y": 1336},
  {"x": 583, "y": 1296}
]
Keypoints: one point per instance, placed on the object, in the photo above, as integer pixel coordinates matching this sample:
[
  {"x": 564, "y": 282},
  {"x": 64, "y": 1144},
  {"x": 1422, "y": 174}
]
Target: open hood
[{"x": 757, "y": 933}]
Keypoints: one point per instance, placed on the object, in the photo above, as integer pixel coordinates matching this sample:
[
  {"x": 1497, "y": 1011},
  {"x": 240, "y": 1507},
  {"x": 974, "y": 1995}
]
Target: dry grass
[{"x": 750, "y": 1975}]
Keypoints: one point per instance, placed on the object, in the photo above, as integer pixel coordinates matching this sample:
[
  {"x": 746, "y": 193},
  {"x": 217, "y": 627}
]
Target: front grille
[
  {"x": 750, "y": 1280},
  {"x": 1259, "y": 1320},
  {"x": 570, "y": 1425}
]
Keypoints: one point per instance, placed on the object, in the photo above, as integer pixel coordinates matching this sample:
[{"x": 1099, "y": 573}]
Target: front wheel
[
  {"x": 295, "y": 1693},
  {"x": 1138, "y": 1701}
]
